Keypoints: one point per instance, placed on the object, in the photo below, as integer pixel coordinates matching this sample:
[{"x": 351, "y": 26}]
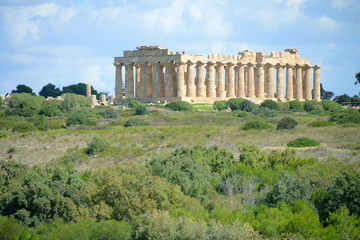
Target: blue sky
[{"x": 67, "y": 42}]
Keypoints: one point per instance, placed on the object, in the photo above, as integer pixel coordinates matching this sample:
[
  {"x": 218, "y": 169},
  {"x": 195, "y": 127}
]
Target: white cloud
[
  {"x": 340, "y": 4},
  {"x": 326, "y": 23}
]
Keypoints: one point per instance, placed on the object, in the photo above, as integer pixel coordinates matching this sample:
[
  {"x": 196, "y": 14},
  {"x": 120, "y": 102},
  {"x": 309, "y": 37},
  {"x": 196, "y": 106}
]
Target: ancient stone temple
[{"x": 153, "y": 74}]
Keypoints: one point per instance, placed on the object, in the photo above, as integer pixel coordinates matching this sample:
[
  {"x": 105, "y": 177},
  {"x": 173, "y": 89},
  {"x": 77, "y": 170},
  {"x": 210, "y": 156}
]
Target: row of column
[{"x": 251, "y": 80}]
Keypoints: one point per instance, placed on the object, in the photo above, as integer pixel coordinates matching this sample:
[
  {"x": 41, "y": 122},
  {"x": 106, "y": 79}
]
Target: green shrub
[
  {"x": 136, "y": 122},
  {"x": 256, "y": 125},
  {"x": 4, "y": 134},
  {"x": 141, "y": 110},
  {"x": 239, "y": 113},
  {"x": 25, "y": 101},
  {"x": 320, "y": 123},
  {"x": 313, "y": 105},
  {"x": 234, "y": 103},
  {"x": 179, "y": 106},
  {"x": 284, "y": 106},
  {"x": 7, "y": 124},
  {"x": 331, "y": 106},
  {"x": 303, "y": 142},
  {"x": 296, "y": 106},
  {"x": 134, "y": 103},
  {"x": 220, "y": 105},
  {"x": 79, "y": 118},
  {"x": 248, "y": 106},
  {"x": 24, "y": 127},
  {"x": 27, "y": 112},
  {"x": 72, "y": 101},
  {"x": 346, "y": 116},
  {"x": 286, "y": 123},
  {"x": 264, "y": 111},
  {"x": 270, "y": 104},
  {"x": 108, "y": 112},
  {"x": 97, "y": 145}
]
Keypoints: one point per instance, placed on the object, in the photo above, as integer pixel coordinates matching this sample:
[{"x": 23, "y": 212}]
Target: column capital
[
  {"x": 190, "y": 63},
  {"x": 169, "y": 63},
  {"x": 269, "y": 65},
  {"x": 118, "y": 64},
  {"x": 240, "y": 64},
  {"x": 279, "y": 65},
  {"x": 288, "y": 65},
  {"x": 308, "y": 66},
  {"x": 230, "y": 64},
  {"x": 180, "y": 63},
  {"x": 210, "y": 64},
  {"x": 129, "y": 64},
  {"x": 260, "y": 65},
  {"x": 250, "y": 64},
  {"x": 220, "y": 64},
  {"x": 200, "y": 64},
  {"x": 317, "y": 66},
  {"x": 299, "y": 66}
]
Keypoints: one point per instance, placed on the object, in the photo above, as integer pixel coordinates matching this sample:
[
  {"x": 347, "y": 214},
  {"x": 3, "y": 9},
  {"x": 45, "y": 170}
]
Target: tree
[
  {"x": 357, "y": 76},
  {"x": 342, "y": 98},
  {"x": 49, "y": 90},
  {"x": 325, "y": 94},
  {"x": 79, "y": 88},
  {"x": 21, "y": 88}
]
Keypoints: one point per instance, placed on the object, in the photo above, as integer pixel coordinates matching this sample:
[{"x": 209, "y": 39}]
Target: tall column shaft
[
  {"x": 210, "y": 81},
  {"x": 190, "y": 91},
  {"x": 308, "y": 82},
  {"x": 251, "y": 82},
  {"x": 220, "y": 81},
  {"x": 149, "y": 70},
  {"x": 299, "y": 93},
  {"x": 231, "y": 86},
  {"x": 260, "y": 81},
  {"x": 162, "y": 80},
  {"x": 180, "y": 79},
  {"x": 279, "y": 82},
  {"x": 226, "y": 79},
  {"x": 317, "y": 94},
  {"x": 155, "y": 80},
  {"x": 270, "y": 81},
  {"x": 129, "y": 80},
  {"x": 289, "y": 82},
  {"x": 168, "y": 79},
  {"x": 118, "y": 83},
  {"x": 241, "y": 78},
  {"x": 143, "y": 80},
  {"x": 200, "y": 88},
  {"x": 137, "y": 81}
]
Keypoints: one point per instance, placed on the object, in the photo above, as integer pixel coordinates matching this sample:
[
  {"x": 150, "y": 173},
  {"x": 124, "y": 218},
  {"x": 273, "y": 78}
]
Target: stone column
[
  {"x": 111, "y": 101},
  {"x": 270, "y": 81},
  {"x": 231, "y": 87},
  {"x": 118, "y": 83},
  {"x": 190, "y": 92},
  {"x": 137, "y": 80},
  {"x": 143, "y": 66},
  {"x": 317, "y": 94},
  {"x": 266, "y": 79},
  {"x": 149, "y": 70},
  {"x": 93, "y": 100},
  {"x": 210, "y": 81},
  {"x": 220, "y": 81},
  {"x": 200, "y": 88},
  {"x": 251, "y": 82},
  {"x": 162, "y": 80},
  {"x": 129, "y": 80},
  {"x": 246, "y": 79},
  {"x": 88, "y": 86},
  {"x": 279, "y": 82},
  {"x": 241, "y": 77},
  {"x": 299, "y": 94},
  {"x": 226, "y": 79},
  {"x": 260, "y": 81},
  {"x": 289, "y": 82},
  {"x": 180, "y": 79},
  {"x": 236, "y": 81},
  {"x": 155, "y": 93},
  {"x": 168, "y": 79},
  {"x": 102, "y": 99},
  {"x": 308, "y": 82}
]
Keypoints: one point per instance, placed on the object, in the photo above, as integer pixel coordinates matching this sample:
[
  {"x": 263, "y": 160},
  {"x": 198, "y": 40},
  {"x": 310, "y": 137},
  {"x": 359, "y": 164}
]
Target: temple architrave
[{"x": 154, "y": 74}]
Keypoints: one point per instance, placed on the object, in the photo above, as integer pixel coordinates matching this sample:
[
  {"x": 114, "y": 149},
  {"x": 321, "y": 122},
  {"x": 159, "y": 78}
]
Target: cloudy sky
[{"x": 67, "y": 42}]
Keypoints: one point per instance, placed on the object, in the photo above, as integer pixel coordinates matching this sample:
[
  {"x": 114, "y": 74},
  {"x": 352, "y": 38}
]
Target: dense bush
[
  {"x": 248, "y": 106},
  {"x": 97, "y": 145},
  {"x": 264, "y": 111},
  {"x": 80, "y": 117},
  {"x": 43, "y": 123},
  {"x": 312, "y": 105},
  {"x": 141, "y": 110},
  {"x": 135, "y": 122},
  {"x": 51, "y": 109},
  {"x": 220, "y": 105},
  {"x": 330, "y": 106},
  {"x": 108, "y": 112},
  {"x": 256, "y": 125},
  {"x": 286, "y": 123},
  {"x": 346, "y": 116},
  {"x": 72, "y": 101},
  {"x": 24, "y": 127},
  {"x": 270, "y": 104},
  {"x": 284, "y": 106},
  {"x": 303, "y": 142},
  {"x": 179, "y": 106},
  {"x": 234, "y": 103},
  {"x": 320, "y": 123},
  {"x": 134, "y": 103},
  {"x": 342, "y": 98},
  {"x": 296, "y": 106},
  {"x": 239, "y": 113},
  {"x": 24, "y": 104}
]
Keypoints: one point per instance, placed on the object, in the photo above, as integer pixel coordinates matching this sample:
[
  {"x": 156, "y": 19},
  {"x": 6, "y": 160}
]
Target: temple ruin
[{"x": 154, "y": 74}]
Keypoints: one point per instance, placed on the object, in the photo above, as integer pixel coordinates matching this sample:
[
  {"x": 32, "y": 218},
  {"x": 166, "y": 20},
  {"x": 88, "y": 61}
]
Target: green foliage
[
  {"x": 235, "y": 103},
  {"x": 43, "y": 123},
  {"x": 270, "y": 104},
  {"x": 141, "y": 110},
  {"x": 248, "y": 106},
  {"x": 107, "y": 112},
  {"x": 342, "y": 98},
  {"x": 136, "y": 122},
  {"x": 325, "y": 95},
  {"x": 4, "y": 134},
  {"x": 331, "y": 106},
  {"x": 24, "y": 127},
  {"x": 79, "y": 89},
  {"x": 312, "y": 105},
  {"x": 134, "y": 103},
  {"x": 49, "y": 90},
  {"x": 80, "y": 117},
  {"x": 346, "y": 116},
  {"x": 24, "y": 104},
  {"x": 265, "y": 112},
  {"x": 21, "y": 88},
  {"x": 51, "y": 108},
  {"x": 347, "y": 226},
  {"x": 220, "y": 105},
  {"x": 72, "y": 101},
  {"x": 179, "y": 106},
  {"x": 284, "y": 106},
  {"x": 256, "y": 125},
  {"x": 97, "y": 145},
  {"x": 239, "y": 113},
  {"x": 303, "y": 142},
  {"x": 10, "y": 229},
  {"x": 286, "y": 123},
  {"x": 296, "y": 106},
  {"x": 320, "y": 123},
  {"x": 252, "y": 156}
]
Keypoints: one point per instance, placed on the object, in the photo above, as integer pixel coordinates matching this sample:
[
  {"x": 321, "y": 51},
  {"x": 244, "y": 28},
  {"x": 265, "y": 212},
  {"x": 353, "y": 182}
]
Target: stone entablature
[{"x": 153, "y": 73}]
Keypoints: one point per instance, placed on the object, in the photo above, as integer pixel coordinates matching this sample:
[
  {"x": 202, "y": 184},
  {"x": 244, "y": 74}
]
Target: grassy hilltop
[{"x": 231, "y": 170}]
